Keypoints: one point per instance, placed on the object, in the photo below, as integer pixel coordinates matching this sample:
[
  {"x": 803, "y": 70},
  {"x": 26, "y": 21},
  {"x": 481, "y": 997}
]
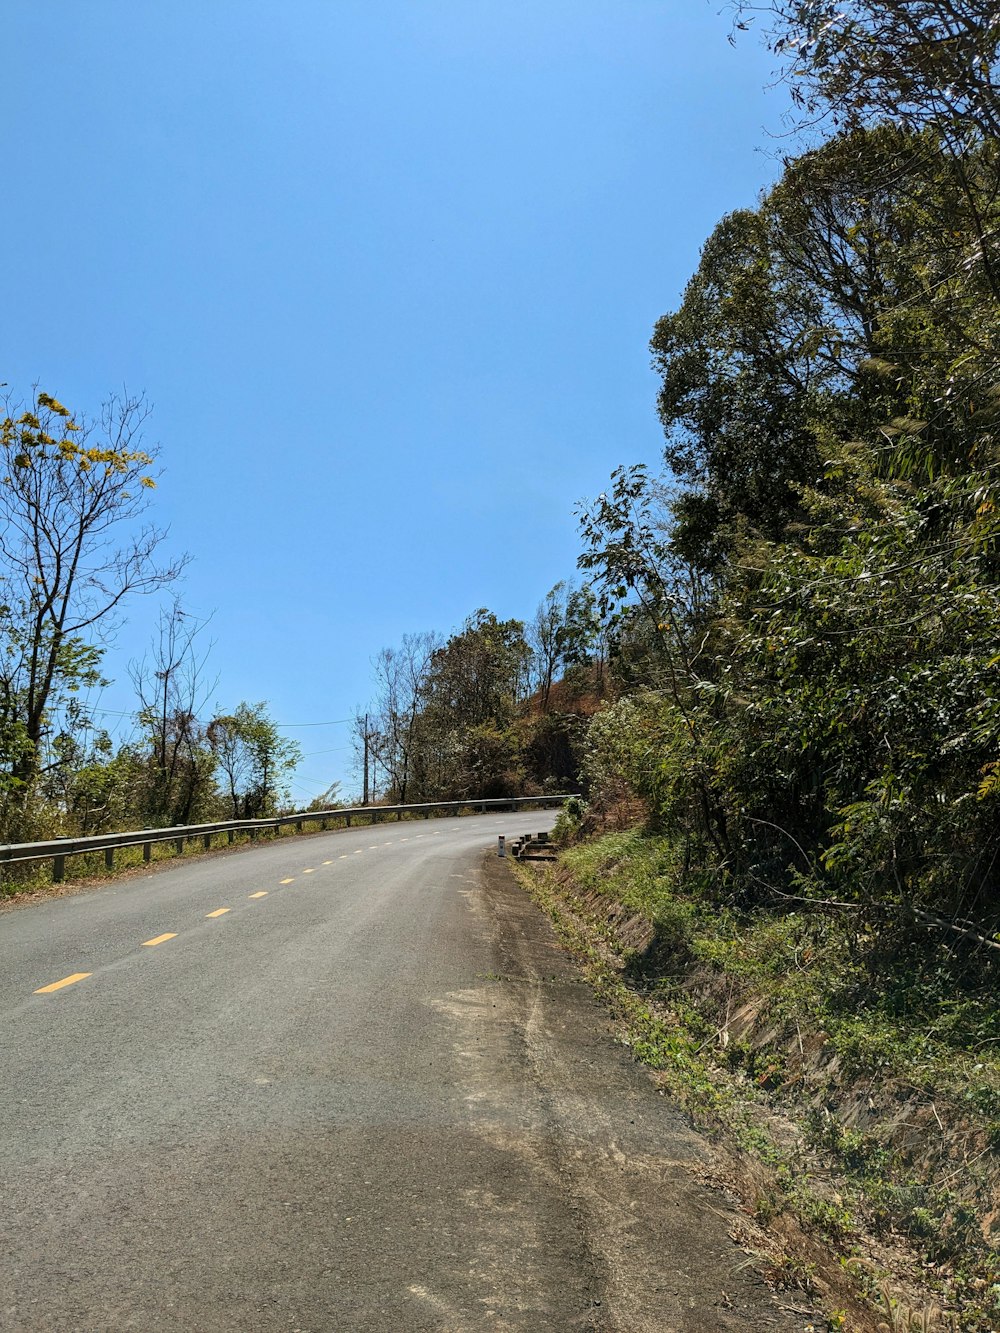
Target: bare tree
[
  {"x": 172, "y": 689},
  {"x": 392, "y": 721}
]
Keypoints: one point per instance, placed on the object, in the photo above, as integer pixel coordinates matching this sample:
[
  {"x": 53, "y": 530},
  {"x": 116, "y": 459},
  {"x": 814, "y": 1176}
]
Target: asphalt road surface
[{"x": 340, "y": 1082}]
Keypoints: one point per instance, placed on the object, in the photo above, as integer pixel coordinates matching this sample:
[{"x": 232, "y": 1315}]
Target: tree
[
  {"x": 253, "y": 758},
  {"x": 822, "y": 722},
  {"x": 480, "y": 674},
  {"x": 545, "y": 636},
  {"x": 170, "y": 683},
  {"x": 919, "y": 63},
  {"x": 441, "y": 724},
  {"x": 650, "y": 597},
  {"x": 585, "y": 640},
  {"x": 733, "y": 391},
  {"x": 924, "y": 66},
  {"x": 73, "y": 550},
  {"x": 76, "y": 778},
  {"x": 849, "y": 306},
  {"x": 391, "y": 725}
]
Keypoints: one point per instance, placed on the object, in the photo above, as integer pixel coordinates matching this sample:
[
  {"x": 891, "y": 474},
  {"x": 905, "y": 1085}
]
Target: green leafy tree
[
  {"x": 253, "y": 760},
  {"x": 471, "y": 693},
  {"x": 811, "y": 712},
  {"x": 852, "y": 305},
  {"x": 920, "y": 63},
  {"x": 442, "y": 724},
  {"x": 480, "y": 675}
]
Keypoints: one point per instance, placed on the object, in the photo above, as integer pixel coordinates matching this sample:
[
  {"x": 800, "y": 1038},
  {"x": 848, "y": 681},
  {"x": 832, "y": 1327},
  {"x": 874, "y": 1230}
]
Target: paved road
[{"x": 343, "y": 1082}]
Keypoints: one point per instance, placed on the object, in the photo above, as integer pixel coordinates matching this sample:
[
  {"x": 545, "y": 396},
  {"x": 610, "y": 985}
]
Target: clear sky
[{"x": 387, "y": 271}]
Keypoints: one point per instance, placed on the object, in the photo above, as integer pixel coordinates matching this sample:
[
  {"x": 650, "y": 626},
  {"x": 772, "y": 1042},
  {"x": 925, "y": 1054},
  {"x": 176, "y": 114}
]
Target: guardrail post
[
  {"x": 58, "y": 869},
  {"x": 147, "y": 851},
  {"x": 348, "y": 821},
  {"x": 229, "y": 836},
  {"x": 323, "y": 824},
  {"x": 206, "y": 841},
  {"x": 427, "y": 814},
  {"x": 399, "y": 815},
  {"x": 179, "y": 846},
  {"x": 298, "y": 826},
  {"x": 109, "y": 858}
]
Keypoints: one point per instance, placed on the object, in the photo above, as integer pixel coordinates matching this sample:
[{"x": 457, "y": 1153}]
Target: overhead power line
[{"x": 337, "y": 721}]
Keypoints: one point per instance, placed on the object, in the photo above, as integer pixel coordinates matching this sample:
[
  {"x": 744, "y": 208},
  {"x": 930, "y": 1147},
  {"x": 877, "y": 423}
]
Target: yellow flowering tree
[{"x": 74, "y": 546}]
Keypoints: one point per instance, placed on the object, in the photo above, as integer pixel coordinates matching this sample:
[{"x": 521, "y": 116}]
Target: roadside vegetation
[
  {"x": 77, "y": 551},
  {"x": 857, "y": 1121}
]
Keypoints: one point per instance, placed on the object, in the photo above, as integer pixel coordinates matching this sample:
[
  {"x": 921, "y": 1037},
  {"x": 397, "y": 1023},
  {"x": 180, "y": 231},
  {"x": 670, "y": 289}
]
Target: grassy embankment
[{"x": 865, "y": 1110}]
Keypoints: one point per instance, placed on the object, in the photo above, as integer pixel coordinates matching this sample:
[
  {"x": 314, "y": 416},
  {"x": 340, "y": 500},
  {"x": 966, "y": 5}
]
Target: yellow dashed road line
[
  {"x": 221, "y": 911},
  {"x": 66, "y": 981}
]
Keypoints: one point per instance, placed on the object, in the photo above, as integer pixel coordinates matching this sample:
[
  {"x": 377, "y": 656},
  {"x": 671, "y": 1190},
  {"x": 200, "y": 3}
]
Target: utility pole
[{"x": 364, "y": 800}]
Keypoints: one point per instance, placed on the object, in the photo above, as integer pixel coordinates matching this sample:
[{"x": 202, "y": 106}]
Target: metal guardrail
[{"x": 59, "y": 848}]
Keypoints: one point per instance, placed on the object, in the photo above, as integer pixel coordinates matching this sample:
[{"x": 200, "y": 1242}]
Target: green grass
[
  {"x": 810, "y": 969},
  {"x": 905, "y": 1027}
]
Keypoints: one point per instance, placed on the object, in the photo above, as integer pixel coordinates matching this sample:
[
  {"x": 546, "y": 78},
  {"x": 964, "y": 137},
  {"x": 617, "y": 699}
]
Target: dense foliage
[
  {"x": 497, "y": 709},
  {"x": 816, "y": 716}
]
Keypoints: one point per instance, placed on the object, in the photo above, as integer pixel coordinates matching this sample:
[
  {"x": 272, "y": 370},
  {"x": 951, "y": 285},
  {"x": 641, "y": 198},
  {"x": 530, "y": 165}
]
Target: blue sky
[{"x": 387, "y": 272}]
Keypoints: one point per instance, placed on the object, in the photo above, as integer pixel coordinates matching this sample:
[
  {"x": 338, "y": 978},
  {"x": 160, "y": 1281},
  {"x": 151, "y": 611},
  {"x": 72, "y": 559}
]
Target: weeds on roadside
[{"x": 803, "y": 971}]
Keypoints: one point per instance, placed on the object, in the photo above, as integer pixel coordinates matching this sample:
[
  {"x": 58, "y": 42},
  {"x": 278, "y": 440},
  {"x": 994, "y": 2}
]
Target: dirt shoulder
[{"x": 671, "y": 1246}]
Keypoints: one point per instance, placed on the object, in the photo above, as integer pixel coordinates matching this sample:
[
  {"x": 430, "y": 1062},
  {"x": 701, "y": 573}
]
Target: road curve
[{"x": 342, "y": 1082}]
